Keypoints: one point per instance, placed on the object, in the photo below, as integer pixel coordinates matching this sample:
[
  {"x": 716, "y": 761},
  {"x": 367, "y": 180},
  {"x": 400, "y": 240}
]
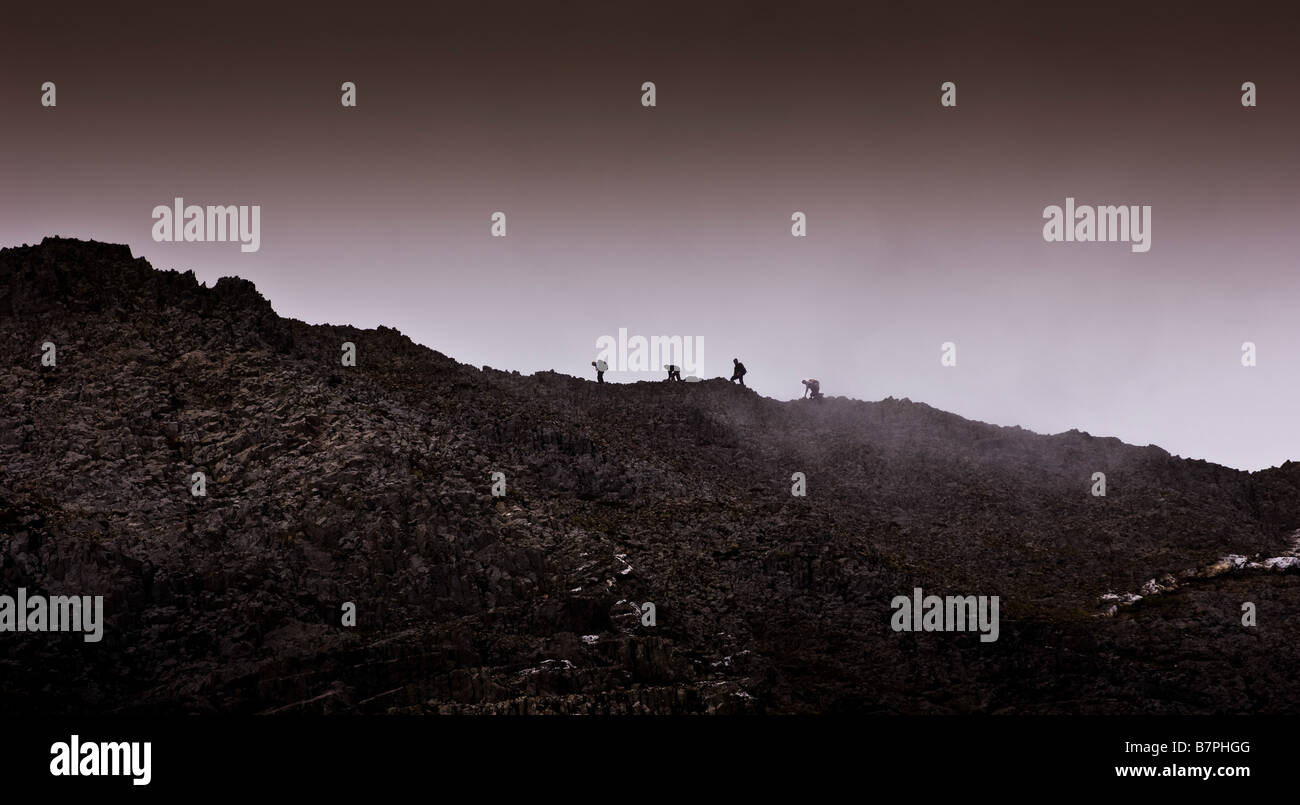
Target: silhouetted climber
[
  {"x": 739, "y": 373},
  {"x": 674, "y": 372},
  {"x": 600, "y": 370},
  {"x": 812, "y": 387}
]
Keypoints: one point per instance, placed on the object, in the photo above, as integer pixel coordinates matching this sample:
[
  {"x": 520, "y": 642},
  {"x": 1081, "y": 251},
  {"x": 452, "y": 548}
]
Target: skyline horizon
[{"x": 626, "y": 377}]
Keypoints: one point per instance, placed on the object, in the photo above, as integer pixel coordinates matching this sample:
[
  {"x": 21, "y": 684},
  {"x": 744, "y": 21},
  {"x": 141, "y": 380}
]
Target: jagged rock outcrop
[{"x": 372, "y": 484}]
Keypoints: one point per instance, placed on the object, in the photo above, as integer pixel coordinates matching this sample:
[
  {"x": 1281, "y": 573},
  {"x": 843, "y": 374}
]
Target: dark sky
[{"x": 924, "y": 223}]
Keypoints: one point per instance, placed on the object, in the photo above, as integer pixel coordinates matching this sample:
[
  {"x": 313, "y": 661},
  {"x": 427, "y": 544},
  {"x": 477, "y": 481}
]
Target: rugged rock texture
[{"x": 372, "y": 484}]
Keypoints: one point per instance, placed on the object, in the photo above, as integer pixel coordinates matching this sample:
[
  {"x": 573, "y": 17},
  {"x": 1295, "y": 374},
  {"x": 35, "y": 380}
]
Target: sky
[{"x": 924, "y": 222}]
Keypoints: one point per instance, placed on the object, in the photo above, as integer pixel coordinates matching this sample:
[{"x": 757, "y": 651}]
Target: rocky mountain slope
[{"x": 372, "y": 484}]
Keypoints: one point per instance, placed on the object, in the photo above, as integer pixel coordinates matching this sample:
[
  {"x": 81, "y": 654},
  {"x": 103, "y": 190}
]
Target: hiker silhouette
[
  {"x": 739, "y": 373},
  {"x": 674, "y": 372},
  {"x": 812, "y": 387},
  {"x": 601, "y": 366}
]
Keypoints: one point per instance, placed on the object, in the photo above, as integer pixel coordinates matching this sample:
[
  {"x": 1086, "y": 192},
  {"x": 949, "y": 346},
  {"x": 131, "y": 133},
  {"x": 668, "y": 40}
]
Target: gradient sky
[{"x": 924, "y": 223}]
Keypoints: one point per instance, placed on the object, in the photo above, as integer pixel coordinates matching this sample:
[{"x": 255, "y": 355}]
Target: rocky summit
[{"x": 352, "y": 551}]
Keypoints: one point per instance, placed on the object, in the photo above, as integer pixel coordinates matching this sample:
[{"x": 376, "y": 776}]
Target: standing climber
[
  {"x": 739, "y": 372},
  {"x": 601, "y": 366},
  {"x": 674, "y": 372},
  {"x": 812, "y": 387}
]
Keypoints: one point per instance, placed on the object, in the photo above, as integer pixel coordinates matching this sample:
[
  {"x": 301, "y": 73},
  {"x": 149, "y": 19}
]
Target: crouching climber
[
  {"x": 813, "y": 388},
  {"x": 674, "y": 372},
  {"x": 739, "y": 372}
]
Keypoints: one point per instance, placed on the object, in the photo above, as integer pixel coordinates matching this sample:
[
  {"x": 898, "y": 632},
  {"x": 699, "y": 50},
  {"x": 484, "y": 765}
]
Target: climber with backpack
[
  {"x": 812, "y": 387},
  {"x": 739, "y": 373}
]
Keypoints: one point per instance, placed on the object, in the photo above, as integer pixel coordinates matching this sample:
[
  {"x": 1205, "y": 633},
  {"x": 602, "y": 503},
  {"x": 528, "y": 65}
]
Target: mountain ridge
[{"x": 372, "y": 484}]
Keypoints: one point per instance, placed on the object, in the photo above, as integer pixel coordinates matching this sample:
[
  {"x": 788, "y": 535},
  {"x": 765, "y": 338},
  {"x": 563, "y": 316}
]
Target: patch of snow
[{"x": 1233, "y": 562}]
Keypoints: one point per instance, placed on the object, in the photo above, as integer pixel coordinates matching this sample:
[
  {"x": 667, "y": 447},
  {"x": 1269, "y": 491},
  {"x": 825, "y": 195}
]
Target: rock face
[{"x": 372, "y": 484}]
